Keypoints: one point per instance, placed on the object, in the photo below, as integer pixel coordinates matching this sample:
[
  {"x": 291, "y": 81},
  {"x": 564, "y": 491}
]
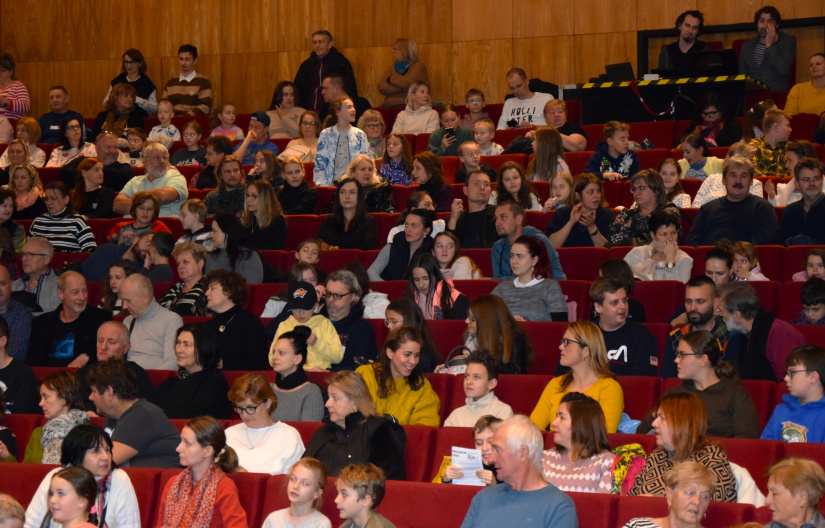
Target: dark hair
[
  {"x": 278, "y": 94},
  {"x": 4, "y": 328},
  {"x": 807, "y": 163},
  {"x": 660, "y": 218},
  {"x": 655, "y": 182},
  {"x": 220, "y": 144},
  {"x": 427, "y": 218},
  {"x": 497, "y": 330},
  {"x": 486, "y": 360},
  {"x": 80, "y": 440},
  {"x": 116, "y": 374},
  {"x": 137, "y": 56},
  {"x": 337, "y": 216},
  {"x": 525, "y": 192},
  {"x": 237, "y": 247},
  {"x": 536, "y": 249},
  {"x": 141, "y": 197},
  {"x": 67, "y": 387},
  {"x": 432, "y": 165},
  {"x": 189, "y": 48},
  {"x": 6, "y": 193},
  {"x": 64, "y": 141},
  {"x": 7, "y": 62},
  {"x": 334, "y": 107},
  {"x": 428, "y": 263},
  {"x": 698, "y": 281},
  {"x": 588, "y": 426},
  {"x": 414, "y": 317},
  {"x": 704, "y": 343},
  {"x": 603, "y": 285},
  {"x": 78, "y": 192},
  {"x": 383, "y": 371},
  {"x": 723, "y": 250},
  {"x": 812, "y": 357},
  {"x": 812, "y": 292},
  {"x": 695, "y": 14},
  {"x": 323, "y": 32},
  {"x": 298, "y": 336},
  {"x": 108, "y": 297},
  {"x": 697, "y": 142},
  {"x": 206, "y": 344},
  {"x": 232, "y": 283},
  {"x": 84, "y": 483},
  {"x": 164, "y": 243},
  {"x": 406, "y": 152},
  {"x": 620, "y": 270},
  {"x": 754, "y": 115},
  {"x": 770, "y": 10},
  {"x": 709, "y": 99},
  {"x": 580, "y": 184},
  {"x": 677, "y": 189},
  {"x": 209, "y": 433}
]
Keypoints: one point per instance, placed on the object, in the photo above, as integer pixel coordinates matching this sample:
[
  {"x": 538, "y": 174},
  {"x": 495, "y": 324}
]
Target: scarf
[
  {"x": 115, "y": 126},
  {"x": 101, "y": 505},
  {"x": 25, "y": 200},
  {"x": 296, "y": 379},
  {"x": 710, "y": 131},
  {"x": 55, "y": 430},
  {"x": 192, "y": 504},
  {"x": 431, "y": 305}
]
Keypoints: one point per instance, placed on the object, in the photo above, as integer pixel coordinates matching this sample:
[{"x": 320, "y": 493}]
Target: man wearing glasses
[
  {"x": 803, "y": 222},
  {"x": 344, "y": 308},
  {"x": 37, "y": 288}
]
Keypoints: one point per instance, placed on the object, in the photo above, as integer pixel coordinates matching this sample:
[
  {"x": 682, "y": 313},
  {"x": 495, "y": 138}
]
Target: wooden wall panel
[
  {"x": 600, "y": 16},
  {"x": 482, "y": 65},
  {"x": 144, "y": 33},
  {"x": 548, "y": 58},
  {"x": 797, "y": 8},
  {"x": 353, "y": 17},
  {"x": 297, "y": 19},
  {"x": 601, "y": 49},
  {"x": 436, "y": 56},
  {"x": 31, "y": 18},
  {"x": 426, "y": 21},
  {"x": 248, "y": 26},
  {"x": 39, "y": 77},
  {"x": 482, "y": 19},
  {"x": 729, "y": 12},
  {"x": 87, "y": 83},
  {"x": 257, "y": 89},
  {"x": 533, "y": 18},
  {"x": 369, "y": 64},
  {"x": 664, "y": 15}
]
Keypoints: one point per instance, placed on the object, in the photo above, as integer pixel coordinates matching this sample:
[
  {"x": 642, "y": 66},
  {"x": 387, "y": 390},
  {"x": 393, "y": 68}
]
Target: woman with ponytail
[{"x": 201, "y": 496}]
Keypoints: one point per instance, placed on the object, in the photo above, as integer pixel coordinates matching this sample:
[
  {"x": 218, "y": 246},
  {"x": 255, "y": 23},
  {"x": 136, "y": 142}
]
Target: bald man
[{"x": 151, "y": 327}]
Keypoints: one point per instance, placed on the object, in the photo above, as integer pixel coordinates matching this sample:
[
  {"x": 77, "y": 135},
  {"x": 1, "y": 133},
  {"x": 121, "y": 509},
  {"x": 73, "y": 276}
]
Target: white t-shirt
[
  {"x": 275, "y": 449},
  {"x": 529, "y": 110}
]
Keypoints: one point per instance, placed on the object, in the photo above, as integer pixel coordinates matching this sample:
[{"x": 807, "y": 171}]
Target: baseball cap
[
  {"x": 301, "y": 296},
  {"x": 260, "y": 116}
]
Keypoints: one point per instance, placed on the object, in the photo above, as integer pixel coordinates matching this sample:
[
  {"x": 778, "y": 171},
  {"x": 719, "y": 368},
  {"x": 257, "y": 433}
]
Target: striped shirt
[
  {"x": 67, "y": 233},
  {"x": 192, "y": 97},
  {"x": 17, "y": 96}
]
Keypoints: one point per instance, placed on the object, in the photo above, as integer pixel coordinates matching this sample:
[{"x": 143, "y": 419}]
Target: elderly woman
[
  {"x": 630, "y": 228},
  {"x": 62, "y": 404},
  {"x": 795, "y": 487},
  {"x": 377, "y": 191},
  {"x": 144, "y": 210},
  {"x": 284, "y": 112},
  {"x": 28, "y": 131},
  {"x": 331, "y": 161},
  {"x": 661, "y": 259},
  {"x": 587, "y": 223},
  {"x": 372, "y": 123},
  {"x": 121, "y": 113},
  {"x": 713, "y": 122},
  {"x": 231, "y": 251},
  {"x": 133, "y": 72},
  {"x": 305, "y": 146},
  {"x": 689, "y": 487},
  {"x": 72, "y": 145},
  {"x": 199, "y": 387},
  {"x": 573, "y": 138},
  {"x": 17, "y": 153},
  {"x": 89, "y": 197},
  {"x": 262, "y": 218},
  {"x": 67, "y": 231},
  {"x": 229, "y": 196},
  {"x": 28, "y": 203},
  {"x": 187, "y": 298},
  {"x": 419, "y": 116},
  {"x": 14, "y": 97},
  {"x": 406, "y": 71}
]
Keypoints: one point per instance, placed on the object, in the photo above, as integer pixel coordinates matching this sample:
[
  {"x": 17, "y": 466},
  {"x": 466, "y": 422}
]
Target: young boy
[
  {"x": 474, "y": 98},
  {"x": 812, "y": 296},
  {"x": 361, "y": 490},
  {"x": 136, "y": 138},
  {"x": 324, "y": 345},
  {"x": 484, "y": 132},
  {"x": 612, "y": 159},
  {"x": 801, "y": 415},
  {"x": 470, "y": 157},
  {"x": 192, "y": 218},
  {"x": 165, "y": 132},
  {"x": 480, "y": 378},
  {"x": 483, "y": 437},
  {"x": 256, "y": 139}
]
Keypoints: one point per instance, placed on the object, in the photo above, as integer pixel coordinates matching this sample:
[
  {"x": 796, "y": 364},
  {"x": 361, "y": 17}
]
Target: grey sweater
[
  {"x": 304, "y": 404},
  {"x": 534, "y": 303}
]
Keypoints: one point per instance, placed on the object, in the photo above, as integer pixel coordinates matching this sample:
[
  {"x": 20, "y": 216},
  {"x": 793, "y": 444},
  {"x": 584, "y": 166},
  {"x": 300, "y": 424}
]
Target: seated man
[
  {"x": 476, "y": 227},
  {"x": 573, "y": 138},
  {"x": 768, "y": 57},
  {"x": 115, "y": 173},
  {"x": 50, "y": 121},
  {"x": 523, "y": 498},
  {"x": 152, "y": 327},
  {"x": 469, "y": 154},
  {"x": 679, "y": 56},
  {"x": 770, "y": 340},
  {"x": 142, "y": 436},
  {"x": 257, "y": 138},
  {"x": 803, "y": 221},
  {"x": 18, "y": 384},
  {"x": 510, "y": 226},
  {"x": 739, "y": 215},
  {"x": 526, "y": 109},
  {"x": 346, "y": 313},
  {"x": 333, "y": 87},
  {"x": 769, "y": 159},
  {"x": 65, "y": 337},
  {"x": 801, "y": 415},
  {"x": 161, "y": 179},
  {"x": 37, "y": 288},
  {"x": 17, "y": 317},
  {"x": 189, "y": 92}
]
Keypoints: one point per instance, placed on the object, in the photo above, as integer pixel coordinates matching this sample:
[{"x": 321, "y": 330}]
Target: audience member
[
  {"x": 814, "y": 265},
  {"x": 307, "y": 478},
  {"x": 17, "y": 316},
  {"x": 16, "y": 153},
  {"x": 492, "y": 328},
  {"x": 72, "y": 139},
  {"x": 418, "y": 117},
  {"x": 223, "y": 122},
  {"x": 349, "y": 226},
  {"x": 510, "y": 218},
  {"x": 25, "y": 182},
  {"x": 360, "y": 490},
  {"x": 802, "y": 221},
  {"x": 37, "y": 288},
  {"x": 374, "y": 304},
  {"x": 799, "y": 417},
  {"x": 50, "y": 122},
  {"x": 257, "y": 139},
  {"x": 549, "y": 155},
  {"x": 231, "y": 250},
  {"x": 475, "y": 227},
  {"x": 428, "y": 174},
  {"x": 795, "y": 487},
  {"x": 161, "y": 179},
  {"x": 474, "y": 101},
  {"x": 630, "y": 228},
  {"x": 714, "y": 186},
  {"x": 480, "y": 378},
  {"x": 338, "y": 143},
  {"x": 14, "y": 97},
  {"x": 484, "y": 132},
  {"x": 27, "y": 131},
  {"x": 305, "y": 146},
  {"x": 680, "y": 57},
  {"x": 661, "y": 259},
  {"x": 190, "y": 93},
  {"x": 89, "y": 197},
  {"x": 671, "y": 172},
  {"x": 18, "y": 383},
  {"x": 447, "y": 140},
  {"x": 768, "y": 57},
  {"x": 229, "y": 196},
  {"x": 333, "y": 87},
  {"x": 397, "y": 161},
  {"x": 299, "y": 399},
  {"x": 746, "y": 263},
  {"x": 405, "y": 312},
  {"x": 324, "y": 60},
  {"x": 297, "y": 196},
  {"x": 284, "y": 111},
  {"x": 346, "y": 313},
  {"x": 526, "y": 108},
  {"x": 372, "y": 123},
  {"x": 194, "y": 153},
  {"x": 436, "y": 297},
  {"x": 454, "y": 265},
  {"x": 121, "y": 113},
  {"x": 217, "y": 147},
  {"x": 697, "y": 162},
  {"x": 809, "y": 97},
  {"x": 325, "y": 349},
  {"x": 786, "y": 193},
  {"x": 482, "y": 437},
  {"x": 406, "y": 70},
  {"x": 62, "y": 407},
  {"x": 16, "y": 232},
  {"x": 712, "y": 121},
  {"x": 110, "y": 287},
  {"x": 136, "y": 139},
  {"x": 573, "y": 137},
  {"x": 613, "y": 159},
  {"x": 769, "y": 158},
  {"x": 133, "y": 72},
  {"x": 586, "y": 223},
  {"x": 469, "y": 155},
  {"x": 812, "y": 298},
  {"x": 151, "y": 327},
  {"x": 377, "y": 191},
  {"x": 66, "y": 231},
  {"x": 165, "y": 132}
]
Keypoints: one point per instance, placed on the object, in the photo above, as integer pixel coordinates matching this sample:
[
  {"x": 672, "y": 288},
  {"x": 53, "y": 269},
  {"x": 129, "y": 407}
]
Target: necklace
[
  {"x": 222, "y": 328},
  {"x": 251, "y": 445}
]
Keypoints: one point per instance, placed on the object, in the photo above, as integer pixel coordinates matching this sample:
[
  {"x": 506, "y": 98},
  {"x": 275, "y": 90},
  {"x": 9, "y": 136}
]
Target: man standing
[
  {"x": 115, "y": 173},
  {"x": 66, "y": 336},
  {"x": 476, "y": 227},
  {"x": 37, "y": 288},
  {"x": 151, "y": 327},
  {"x": 510, "y": 226},
  {"x": 323, "y": 61},
  {"x": 769, "y": 159},
  {"x": 18, "y": 384},
  {"x": 803, "y": 222},
  {"x": 526, "y": 109},
  {"x": 161, "y": 179},
  {"x": 345, "y": 310},
  {"x": 332, "y": 88},
  {"x": 18, "y": 318},
  {"x": 523, "y": 498},
  {"x": 190, "y": 93},
  {"x": 769, "y": 56},
  {"x": 679, "y": 56},
  {"x": 50, "y": 121},
  {"x": 737, "y": 216}
]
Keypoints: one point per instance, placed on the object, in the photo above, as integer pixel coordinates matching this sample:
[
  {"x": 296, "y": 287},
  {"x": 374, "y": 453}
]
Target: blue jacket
[
  {"x": 601, "y": 161},
  {"x": 500, "y": 254},
  {"x": 793, "y": 422},
  {"x": 323, "y": 174}
]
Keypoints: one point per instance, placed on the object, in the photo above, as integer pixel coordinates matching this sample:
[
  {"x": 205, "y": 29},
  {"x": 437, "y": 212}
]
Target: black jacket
[
  {"x": 298, "y": 200},
  {"x": 357, "y": 338},
  {"x": 398, "y": 268},
  {"x": 201, "y": 393},
  {"x": 312, "y": 72},
  {"x": 135, "y": 120},
  {"x": 485, "y": 239}
]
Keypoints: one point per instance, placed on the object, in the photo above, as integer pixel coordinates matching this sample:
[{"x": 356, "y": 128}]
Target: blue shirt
[
  {"x": 253, "y": 148},
  {"x": 500, "y": 505}
]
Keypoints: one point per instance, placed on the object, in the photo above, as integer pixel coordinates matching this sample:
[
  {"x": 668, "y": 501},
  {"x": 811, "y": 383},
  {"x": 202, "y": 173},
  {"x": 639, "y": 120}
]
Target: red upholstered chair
[
  {"x": 650, "y": 159},
  {"x": 385, "y": 222},
  {"x": 648, "y": 442},
  {"x": 793, "y": 261},
  {"x": 763, "y": 394},
  {"x": 421, "y": 142},
  {"x": 419, "y": 451},
  {"x": 754, "y": 455},
  {"x": 147, "y": 489},
  {"x": 394, "y": 289},
  {"x": 660, "y": 298},
  {"x": 325, "y": 195},
  {"x": 770, "y": 260},
  {"x": 521, "y": 391},
  {"x": 259, "y": 294},
  {"x": 100, "y": 227},
  {"x": 618, "y": 252},
  {"x": 768, "y": 292},
  {"x": 789, "y": 305},
  {"x": 445, "y": 439},
  {"x": 613, "y": 193},
  {"x": 306, "y": 429},
  {"x": 22, "y": 480},
  {"x": 545, "y": 338},
  {"x": 595, "y": 509},
  {"x": 719, "y": 514},
  {"x": 447, "y": 334},
  {"x": 661, "y": 133},
  {"x": 48, "y": 175},
  {"x": 400, "y": 193},
  {"x": 537, "y": 219},
  {"x": 577, "y": 161},
  {"x": 813, "y": 334},
  {"x": 475, "y": 288},
  {"x": 22, "y": 425},
  {"x": 443, "y": 386},
  {"x": 691, "y": 186},
  {"x": 422, "y": 505},
  {"x": 481, "y": 257},
  {"x": 337, "y": 259},
  {"x": 595, "y": 134},
  {"x": 495, "y": 162},
  {"x": 251, "y": 490},
  {"x": 299, "y": 228},
  {"x": 640, "y": 394},
  {"x": 581, "y": 263},
  {"x": 803, "y": 126},
  {"x": 159, "y": 376},
  {"x": 578, "y": 291},
  {"x": 505, "y": 137}
]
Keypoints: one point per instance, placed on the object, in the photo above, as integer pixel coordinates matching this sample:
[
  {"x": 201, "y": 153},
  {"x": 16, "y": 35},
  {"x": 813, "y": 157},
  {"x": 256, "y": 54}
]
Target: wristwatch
[
  {"x": 670, "y": 265},
  {"x": 594, "y": 233}
]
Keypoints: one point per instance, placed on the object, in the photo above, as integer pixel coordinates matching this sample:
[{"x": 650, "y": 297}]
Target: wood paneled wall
[{"x": 247, "y": 46}]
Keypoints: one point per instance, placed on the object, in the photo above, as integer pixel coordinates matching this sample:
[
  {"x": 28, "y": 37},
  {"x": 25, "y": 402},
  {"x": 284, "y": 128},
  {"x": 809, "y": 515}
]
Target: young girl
[
  {"x": 549, "y": 158},
  {"x": 305, "y": 489},
  {"x": 72, "y": 494},
  {"x": 194, "y": 153},
  {"x": 561, "y": 192},
  {"x": 670, "y": 171},
  {"x": 297, "y": 196},
  {"x": 223, "y": 122},
  {"x": 12, "y": 514},
  {"x": 746, "y": 263},
  {"x": 396, "y": 165},
  {"x": 514, "y": 185},
  {"x": 332, "y": 157},
  {"x": 110, "y": 300},
  {"x": 752, "y": 124},
  {"x": 446, "y": 140},
  {"x": 697, "y": 162},
  {"x": 814, "y": 266},
  {"x": 454, "y": 266},
  {"x": 436, "y": 296},
  {"x": 300, "y": 400}
]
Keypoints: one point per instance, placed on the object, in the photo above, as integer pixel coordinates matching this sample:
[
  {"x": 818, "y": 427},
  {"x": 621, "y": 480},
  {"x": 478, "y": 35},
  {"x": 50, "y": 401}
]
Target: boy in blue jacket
[
  {"x": 613, "y": 159},
  {"x": 801, "y": 415}
]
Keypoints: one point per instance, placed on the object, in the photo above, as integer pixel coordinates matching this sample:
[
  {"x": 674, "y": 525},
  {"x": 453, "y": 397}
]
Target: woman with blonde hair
[
  {"x": 795, "y": 487},
  {"x": 377, "y": 191},
  {"x": 406, "y": 71},
  {"x": 28, "y": 192},
  {"x": 419, "y": 116},
  {"x": 262, "y": 218},
  {"x": 372, "y": 123},
  {"x": 17, "y": 153},
  {"x": 28, "y": 132},
  {"x": 549, "y": 158},
  {"x": 584, "y": 353},
  {"x": 297, "y": 196}
]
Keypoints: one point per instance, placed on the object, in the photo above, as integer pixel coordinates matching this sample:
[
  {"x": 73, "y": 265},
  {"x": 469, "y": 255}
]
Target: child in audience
[
  {"x": 484, "y": 132},
  {"x": 697, "y": 162},
  {"x": 474, "y": 99},
  {"x": 561, "y": 192},
  {"x": 470, "y": 157},
  {"x": 549, "y": 157},
  {"x": 361, "y": 490},
  {"x": 812, "y": 297},
  {"x": 514, "y": 185},
  {"x": 397, "y": 162},
  {"x": 12, "y": 514},
  {"x": 223, "y": 122},
  {"x": 307, "y": 478},
  {"x": 480, "y": 378},
  {"x": 324, "y": 344},
  {"x": 671, "y": 172},
  {"x": 194, "y": 153},
  {"x": 814, "y": 266},
  {"x": 801, "y": 415},
  {"x": 483, "y": 437},
  {"x": 165, "y": 133},
  {"x": 192, "y": 218},
  {"x": 613, "y": 159},
  {"x": 136, "y": 138},
  {"x": 446, "y": 140},
  {"x": 746, "y": 263}
]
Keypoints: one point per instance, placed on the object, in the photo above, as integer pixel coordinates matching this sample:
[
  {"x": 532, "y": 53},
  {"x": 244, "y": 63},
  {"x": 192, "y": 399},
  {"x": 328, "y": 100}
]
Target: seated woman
[
  {"x": 202, "y": 495},
  {"x": 549, "y": 155},
  {"x": 88, "y": 446},
  {"x": 258, "y": 450},
  {"x": 241, "y": 341},
  {"x": 330, "y": 161},
  {"x": 396, "y": 384},
  {"x": 514, "y": 185},
  {"x": 284, "y": 111},
  {"x": 305, "y": 146},
  {"x": 397, "y": 161},
  {"x": 16, "y": 232},
  {"x": 712, "y": 122},
  {"x": 17, "y": 153},
  {"x": 582, "y": 352},
  {"x": 194, "y": 153},
  {"x": 89, "y": 197},
  {"x": 28, "y": 132},
  {"x": 133, "y": 72},
  {"x": 417, "y": 200},
  {"x": 689, "y": 487},
  {"x": 393, "y": 261},
  {"x": 72, "y": 145},
  {"x": 681, "y": 434},
  {"x": 581, "y": 459},
  {"x": 698, "y": 163},
  {"x": 110, "y": 297},
  {"x": 446, "y": 140},
  {"x": 266, "y": 167},
  {"x": 297, "y": 196},
  {"x": 349, "y": 226},
  {"x": 454, "y": 265},
  {"x": 630, "y": 226},
  {"x": 372, "y": 123},
  {"x": 661, "y": 259},
  {"x": 795, "y": 487},
  {"x": 199, "y": 388},
  {"x": 231, "y": 251},
  {"x": 405, "y": 312},
  {"x": 719, "y": 262},
  {"x": 587, "y": 223},
  {"x": 187, "y": 297},
  {"x": 530, "y": 296},
  {"x": 229, "y": 196},
  {"x": 67, "y": 231},
  {"x": 28, "y": 201},
  {"x": 62, "y": 403},
  {"x": 783, "y": 194},
  {"x": 491, "y": 327},
  {"x": 298, "y": 399},
  {"x": 418, "y": 117},
  {"x": 437, "y": 298},
  {"x": 144, "y": 211},
  {"x": 120, "y": 115},
  {"x": 746, "y": 263},
  {"x": 730, "y": 409},
  {"x": 671, "y": 173},
  {"x": 378, "y": 192},
  {"x": 428, "y": 174},
  {"x": 355, "y": 432},
  {"x": 262, "y": 218},
  {"x": 406, "y": 70}
]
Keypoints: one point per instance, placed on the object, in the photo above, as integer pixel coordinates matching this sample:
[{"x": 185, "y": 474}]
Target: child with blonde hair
[{"x": 305, "y": 489}]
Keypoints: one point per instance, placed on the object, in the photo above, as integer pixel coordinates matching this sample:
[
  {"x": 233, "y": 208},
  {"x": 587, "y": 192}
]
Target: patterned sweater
[
  {"x": 589, "y": 475},
  {"x": 651, "y": 481},
  {"x": 189, "y": 97}
]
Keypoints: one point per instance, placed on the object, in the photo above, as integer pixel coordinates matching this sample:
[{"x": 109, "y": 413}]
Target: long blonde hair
[
  {"x": 268, "y": 205},
  {"x": 589, "y": 333}
]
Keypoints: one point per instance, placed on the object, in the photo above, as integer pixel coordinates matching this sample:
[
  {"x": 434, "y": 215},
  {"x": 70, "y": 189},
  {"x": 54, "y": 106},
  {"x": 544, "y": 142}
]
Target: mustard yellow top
[
  {"x": 409, "y": 407},
  {"x": 606, "y": 391}
]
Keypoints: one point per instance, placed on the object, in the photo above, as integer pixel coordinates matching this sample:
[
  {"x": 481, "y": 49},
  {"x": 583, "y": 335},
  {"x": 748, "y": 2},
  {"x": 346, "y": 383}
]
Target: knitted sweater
[
  {"x": 468, "y": 415},
  {"x": 589, "y": 475},
  {"x": 66, "y": 232},
  {"x": 419, "y": 121},
  {"x": 606, "y": 391},
  {"x": 409, "y": 407},
  {"x": 533, "y": 303},
  {"x": 327, "y": 348},
  {"x": 189, "y": 97},
  {"x": 302, "y": 404}
]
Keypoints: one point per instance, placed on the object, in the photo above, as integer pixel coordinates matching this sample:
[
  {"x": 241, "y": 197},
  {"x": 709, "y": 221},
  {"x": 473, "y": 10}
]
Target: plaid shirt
[{"x": 769, "y": 161}]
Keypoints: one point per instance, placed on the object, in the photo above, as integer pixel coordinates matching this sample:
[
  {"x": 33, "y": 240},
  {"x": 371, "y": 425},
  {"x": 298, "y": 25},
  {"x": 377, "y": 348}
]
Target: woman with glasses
[
  {"x": 305, "y": 146},
  {"x": 120, "y": 115},
  {"x": 372, "y": 123},
  {"x": 630, "y": 228},
  {"x": 72, "y": 145},
  {"x": 262, "y": 444},
  {"x": 133, "y": 72},
  {"x": 712, "y": 121},
  {"x": 262, "y": 218},
  {"x": 586, "y": 223},
  {"x": 584, "y": 353},
  {"x": 284, "y": 112},
  {"x": 406, "y": 71}
]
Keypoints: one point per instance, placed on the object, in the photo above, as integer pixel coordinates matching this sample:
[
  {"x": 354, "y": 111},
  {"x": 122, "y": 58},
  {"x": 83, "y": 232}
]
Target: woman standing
[
  {"x": 14, "y": 97},
  {"x": 284, "y": 112},
  {"x": 89, "y": 197},
  {"x": 406, "y": 71},
  {"x": 339, "y": 143},
  {"x": 67, "y": 231},
  {"x": 133, "y": 72}
]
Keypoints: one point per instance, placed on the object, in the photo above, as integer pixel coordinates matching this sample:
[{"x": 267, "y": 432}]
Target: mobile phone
[{"x": 450, "y": 132}]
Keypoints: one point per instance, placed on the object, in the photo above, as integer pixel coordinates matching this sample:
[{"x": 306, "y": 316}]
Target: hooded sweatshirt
[{"x": 793, "y": 422}]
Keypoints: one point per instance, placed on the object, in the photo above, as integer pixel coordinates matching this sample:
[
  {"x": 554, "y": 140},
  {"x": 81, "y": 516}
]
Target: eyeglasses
[
  {"x": 475, "y": 100},
  {"x": 336, "y": 296},
  {"x": 710, "y": 114},
  {"x": 30, "y": 255},
  {"x": 566, "y": 342},
  {"x": 253, "y": 196},
  {"x": 814, "y": 179},
  {"x": 130, "y": 62},
  {"x": 310, "y": 123},
  {"x": 373, "y": 125},
  {"x": 639, "y": 188},
  {"x": 790, "y": 373},
  {"x": 681, "y": 355},
  {"x": 388, "y": 322},
  {"x": 248, "y": 410},
  {"x": 73, "y": 127}
]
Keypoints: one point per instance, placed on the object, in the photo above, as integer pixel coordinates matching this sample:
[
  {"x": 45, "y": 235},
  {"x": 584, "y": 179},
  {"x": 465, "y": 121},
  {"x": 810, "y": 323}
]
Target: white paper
[{"x": 469, "y": 460}]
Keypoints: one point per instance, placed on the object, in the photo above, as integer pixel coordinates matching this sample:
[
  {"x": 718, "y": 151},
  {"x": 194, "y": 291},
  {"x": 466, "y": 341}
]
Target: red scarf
[
  {"x": 192, "y": 504},
  {"x": 709, "y": 131}
]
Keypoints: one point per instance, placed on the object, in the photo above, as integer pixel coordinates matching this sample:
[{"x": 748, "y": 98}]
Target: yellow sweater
[
  {"x": 805, "y": 99},
  {"x": 606, "y": 391},
  {"x": 409, "y": 407},
  {"x": 327, "y": 348}
]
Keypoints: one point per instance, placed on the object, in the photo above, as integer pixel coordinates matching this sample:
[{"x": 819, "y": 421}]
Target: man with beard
[
  {"x": 700, "y": 296},
  {"x": 768, "y": 57},
  {"x": 679, "y": 56}
]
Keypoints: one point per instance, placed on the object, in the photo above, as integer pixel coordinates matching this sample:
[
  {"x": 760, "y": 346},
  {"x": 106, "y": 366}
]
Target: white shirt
[
  {"x": 270, "y": 449},
  {"x": 188, "y": 78}
]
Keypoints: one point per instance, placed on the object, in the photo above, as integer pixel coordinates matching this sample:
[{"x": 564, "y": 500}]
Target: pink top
[
  {"x": 590, "y": 475},
  {"x": 800, "y": 276},
  {"x": 17, "y": 96},
  {"x": 232, "y": 133}
]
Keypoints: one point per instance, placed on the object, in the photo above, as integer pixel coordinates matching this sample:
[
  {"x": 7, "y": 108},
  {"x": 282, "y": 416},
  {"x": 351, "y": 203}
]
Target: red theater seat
[
  {"x": 578, "y": 291},
  {"x": 146, "y": 484},
  {"x": 640, "y": 394},
  {"x": 336, "y": 260},
  {"x": 419, "y": 451},
  {"x": 475, "y": 288},
  {"x": 544, "y": 338},
  {"x": 445, "y": 439},
  {"x": 768, "y": 292},
  {"x": 519, "y": 391},
  {"x": 793, "y": 260},
  {"x": 394, "y": 289},
  {"x": 660, "y": 298},
  {"x": 577, "y": 161},
  {"x": 582, "y": 263},
  {"x": 443, "y": 386},
  {"x": 481, "y": 257},
  {"x": 754, "y": 455},
  {"x": 719, "y": 514},
  {"x": 299, "y": 228},
  {"x": 447, "y": 334},
  {"x": 613, "y": 193},
  {"x": 648, "y": 442},
  {"x": 22, "y": 425},
  {"x": 324, "y": 197},
  {"x": 538, "y": 220},
  {"x": 22, "y": 480},
  {"x": 495, "y": 162},
  {"x": 789, "y": 306},
  {"x": 421, "y": 505},
  {"x": 595, "y": 509}
]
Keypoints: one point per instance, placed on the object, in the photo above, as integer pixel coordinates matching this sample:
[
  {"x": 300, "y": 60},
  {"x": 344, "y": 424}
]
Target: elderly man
[
  {"x": 141, "y": 433},
  {"x": 475, "y": 227},
  {"x": 17, "y": 380},
  {"x": 17, "y": 317},
  {"x": 66, "y": 336},
  {"x": 523, "y": 498},
  {"x": 37, "y": 288},
  {"x": 510, "y": 226},
  {"x": 50, "y": 121},
  {"x": 115, "y": 173},
  {"x": 190, "y": 93},
  {"x": 770, "y": 340},
  {"x": 803, "y": 222},
  {"x": 152, "y": 327},
  {"x": 679, "y": 56},
  {"x": 333, "y": 87},
  {"x": 345, "y": 310},
  {"x": 161, "y": 179},
  {"x": 769, "y": 56},
  {"x": 526, "y": 109},
  {"x": 322, "y": 62},
  {"x": 737, "y": 216}
]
